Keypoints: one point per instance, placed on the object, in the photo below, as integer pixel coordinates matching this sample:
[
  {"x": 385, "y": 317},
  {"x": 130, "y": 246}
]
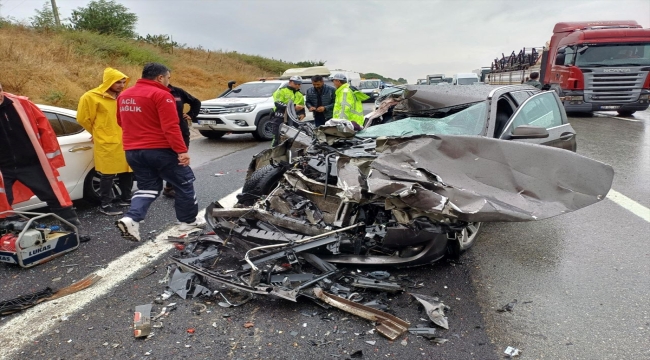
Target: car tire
[
  {"x": 625, "y": 112},
  {"x": 464, "y": 240},
  {"x": 91, "y": 187},
  {"x": 212, "y": 134},
  {"x": 261, "y": 183},
  {"x": 264, "y": 131}
]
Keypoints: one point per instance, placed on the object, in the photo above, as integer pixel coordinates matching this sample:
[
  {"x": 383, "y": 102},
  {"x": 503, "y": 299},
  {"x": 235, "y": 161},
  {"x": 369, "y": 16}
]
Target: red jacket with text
[
  {"x": 148, "y": 117},
  {"x": 47, "y": 148}
]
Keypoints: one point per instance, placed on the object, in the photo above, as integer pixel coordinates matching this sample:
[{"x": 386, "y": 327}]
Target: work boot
[
  {"x": 129, "y": 228},
  {"x": 110, "y": 210},
  {"x": 169, "y": 192}
]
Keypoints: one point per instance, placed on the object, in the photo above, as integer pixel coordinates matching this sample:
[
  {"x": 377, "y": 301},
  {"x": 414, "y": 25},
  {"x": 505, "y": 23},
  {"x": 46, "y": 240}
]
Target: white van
[{"x": 464, "y": 79}]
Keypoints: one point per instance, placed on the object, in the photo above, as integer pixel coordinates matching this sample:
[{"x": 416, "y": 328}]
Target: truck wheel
[
  {"x": 264, "y": 131},
  {"x": 261, "y": 183},
  {"x": 212, "y": 134},
  {"x": 626, "y": 113}
]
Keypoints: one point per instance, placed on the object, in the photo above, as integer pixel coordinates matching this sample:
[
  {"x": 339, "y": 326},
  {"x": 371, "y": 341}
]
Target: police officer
[
  {"x": 281, "y": 97},
  {"x": 349, "y": 101}
]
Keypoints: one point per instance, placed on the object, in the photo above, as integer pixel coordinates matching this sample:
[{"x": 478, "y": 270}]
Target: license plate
[
  {"x": 207, "y": 122},
  {"x": 610, "y": 107}
]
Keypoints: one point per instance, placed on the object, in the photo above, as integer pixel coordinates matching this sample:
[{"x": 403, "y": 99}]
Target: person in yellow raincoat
[{"x": 97, "y": 113}]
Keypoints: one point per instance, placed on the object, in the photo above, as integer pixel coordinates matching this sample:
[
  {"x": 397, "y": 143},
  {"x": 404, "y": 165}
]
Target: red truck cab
[{"x": 599, "y": 66}]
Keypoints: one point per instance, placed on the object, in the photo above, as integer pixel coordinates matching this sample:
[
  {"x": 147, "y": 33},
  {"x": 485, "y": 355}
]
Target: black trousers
[
  {"x": 35, "y": 179},
  {"x": 106, "y": 187}
]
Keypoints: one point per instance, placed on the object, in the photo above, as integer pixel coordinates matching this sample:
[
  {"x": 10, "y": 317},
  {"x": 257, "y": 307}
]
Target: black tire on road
[
  {"x": 625, "y": 112},
  {"x": 261, "y": 183},
  {"x": 212, "y": 134},
  {"x": 264, "y": 131}
]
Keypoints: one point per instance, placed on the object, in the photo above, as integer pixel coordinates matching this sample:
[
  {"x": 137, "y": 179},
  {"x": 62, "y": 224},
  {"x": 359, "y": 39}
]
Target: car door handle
[
  {"x": 80, "y": 148},
  {"x": 567, "y": 136}
]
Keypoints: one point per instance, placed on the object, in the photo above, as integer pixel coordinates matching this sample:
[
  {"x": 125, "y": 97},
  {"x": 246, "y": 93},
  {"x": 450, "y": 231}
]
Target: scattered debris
[
  {"x": 191, "y": 331},
  {"x": 358, "y": 354},
  {"x": 439, "y": 340},
  {"x": 425, "y": 332},
  {"x": 142, "y": 320},
  {"x": 434, "y": 309},
  {"x": 512, "y": 352},
  {"x": 508, "y": 307},
  {"x": 26, "y": 301},
  {"x": 371, "y": 342},
  {"x": 248, "y": 324}
]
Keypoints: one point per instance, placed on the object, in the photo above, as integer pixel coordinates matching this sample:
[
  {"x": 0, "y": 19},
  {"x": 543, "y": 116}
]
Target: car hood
[
  {"x": 422, "y": 98},
  {"x": 233, "y": 102}
]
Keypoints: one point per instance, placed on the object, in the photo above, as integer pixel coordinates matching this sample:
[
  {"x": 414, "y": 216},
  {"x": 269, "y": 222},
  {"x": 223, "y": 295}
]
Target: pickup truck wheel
[
  {"x": 264, "y": 131},
  {"x": 212, "y": 134},
  {"x": 261, "y": 183},
  {"x": 626, "y": 113}
]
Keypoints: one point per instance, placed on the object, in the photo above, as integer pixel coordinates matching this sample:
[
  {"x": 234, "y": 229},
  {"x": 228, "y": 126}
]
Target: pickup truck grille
[
  {"x": 613, "y": 87},
  {"x": 212, "y": 110}
]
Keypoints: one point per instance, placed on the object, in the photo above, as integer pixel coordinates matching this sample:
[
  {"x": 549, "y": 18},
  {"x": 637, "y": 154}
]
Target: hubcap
[{"x": 468, "y": 235}]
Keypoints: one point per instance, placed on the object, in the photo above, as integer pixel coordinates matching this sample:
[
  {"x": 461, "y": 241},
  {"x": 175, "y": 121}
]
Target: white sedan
[{"x": 78, "y": 174}]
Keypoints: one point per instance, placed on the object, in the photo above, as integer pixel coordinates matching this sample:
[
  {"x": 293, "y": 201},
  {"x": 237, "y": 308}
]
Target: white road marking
[
  {"x": 629, "y": 204},
  {"x": 32, "y": 323}
]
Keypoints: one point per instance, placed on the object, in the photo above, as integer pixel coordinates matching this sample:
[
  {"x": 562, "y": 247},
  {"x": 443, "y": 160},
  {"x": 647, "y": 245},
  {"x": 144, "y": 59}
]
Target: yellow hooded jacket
[{"x": 97, "y": 113}]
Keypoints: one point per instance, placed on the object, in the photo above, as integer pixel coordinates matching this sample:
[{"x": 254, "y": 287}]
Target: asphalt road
[{"x": 581, "y": 283}]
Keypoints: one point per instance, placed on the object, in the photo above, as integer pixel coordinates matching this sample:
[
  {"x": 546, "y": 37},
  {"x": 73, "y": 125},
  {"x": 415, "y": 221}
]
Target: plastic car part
[
  {"x": 434, "y": 309},
  {"x": 365, "y": 283},
  {"x": 386, "y": 324},
  {"x": 142, "y": 320}
]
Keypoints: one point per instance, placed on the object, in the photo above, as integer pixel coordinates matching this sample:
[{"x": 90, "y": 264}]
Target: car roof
[
  {"x": 266, "y": 82},
  {"x": 427, "y": 97},
  {"x": 58, "y": 110}
]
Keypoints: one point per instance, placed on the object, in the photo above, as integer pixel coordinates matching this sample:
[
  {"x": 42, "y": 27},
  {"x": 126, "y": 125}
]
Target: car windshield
[
  {"x": 467, "y": 81},
  {"x": 470, "y": 121},
  {"x": 369, "y": 84},
  {"x": 253, "y": 90},
  {"x": 611, "y": 55}
]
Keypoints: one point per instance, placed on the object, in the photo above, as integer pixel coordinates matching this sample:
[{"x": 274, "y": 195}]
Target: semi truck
[{"x": 594, "y": 65}]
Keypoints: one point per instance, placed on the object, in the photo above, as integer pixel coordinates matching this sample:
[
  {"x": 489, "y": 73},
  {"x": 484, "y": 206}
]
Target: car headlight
[
  {"x": 644, "y": 97},
  {"x": 241, "y": 109}
]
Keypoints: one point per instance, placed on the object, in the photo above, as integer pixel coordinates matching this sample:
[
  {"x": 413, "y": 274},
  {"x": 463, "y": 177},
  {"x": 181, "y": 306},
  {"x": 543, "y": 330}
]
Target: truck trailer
[{"x": 594, "y": 65}]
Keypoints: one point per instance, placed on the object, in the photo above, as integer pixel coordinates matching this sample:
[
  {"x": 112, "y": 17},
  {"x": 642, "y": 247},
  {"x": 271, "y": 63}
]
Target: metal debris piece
[
  {"x": 376, "y": 305},
  {"x": 200, "y": 290},
  {"x": 142, "y": 320},
  {"x": 371, "y": 342},
  {"x": 181, "y": 282},
  {"x": 439, "y": 340},
  {"x": 508, "y": 307},
  {"x": 512, "y": 351},
  {"x": 386, "y": 324},
  {"x": 366, "y": 283},
  {"x": 427, "y": 333},
  {"x": 434, "y": 309},
  {"x": 379, "y": 275}
]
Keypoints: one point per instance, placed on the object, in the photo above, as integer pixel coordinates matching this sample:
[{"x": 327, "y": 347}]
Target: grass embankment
[{"x": 56, "y": 68}]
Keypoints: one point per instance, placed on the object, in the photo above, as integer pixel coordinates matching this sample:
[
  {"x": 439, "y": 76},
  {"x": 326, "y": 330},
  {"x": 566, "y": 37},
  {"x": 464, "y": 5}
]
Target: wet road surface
[{"x": 581, "y": 282}]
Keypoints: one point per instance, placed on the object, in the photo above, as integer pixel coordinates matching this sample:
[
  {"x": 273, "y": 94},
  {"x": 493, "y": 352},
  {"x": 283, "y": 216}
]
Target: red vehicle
[{"x": 599, "y": 65}]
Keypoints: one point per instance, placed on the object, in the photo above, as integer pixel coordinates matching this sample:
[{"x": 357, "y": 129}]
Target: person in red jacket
[
  {"x": 29, "y": 158},
  {"x": 155, "y": 150}
]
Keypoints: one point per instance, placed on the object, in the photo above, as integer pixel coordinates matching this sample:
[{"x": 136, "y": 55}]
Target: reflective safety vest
[
  {"x": 349, "y": 104},
  {"x": 281, "y": 98},
  {"x": 46, "y": 145}
]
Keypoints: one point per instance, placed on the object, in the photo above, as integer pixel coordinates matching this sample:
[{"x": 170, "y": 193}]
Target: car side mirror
[
  {"x": 529, "y": 132},
  {"x": 231, "y": 83},
  {"x": 559, "y": 59}
]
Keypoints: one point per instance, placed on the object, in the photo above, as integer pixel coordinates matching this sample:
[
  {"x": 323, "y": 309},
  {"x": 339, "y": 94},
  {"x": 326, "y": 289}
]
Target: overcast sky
[{"x": 402, "y": 38}]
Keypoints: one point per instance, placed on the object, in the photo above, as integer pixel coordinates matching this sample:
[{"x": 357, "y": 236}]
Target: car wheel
[
  {"x": 626, "y": 113},
  {"x": 261, "y": 183},
  {"x": 468, "y": 236},
  {"x": 91, "y": 187},
  {"x": 264, "y": 131},
  {"x": 212, "y": 134}
]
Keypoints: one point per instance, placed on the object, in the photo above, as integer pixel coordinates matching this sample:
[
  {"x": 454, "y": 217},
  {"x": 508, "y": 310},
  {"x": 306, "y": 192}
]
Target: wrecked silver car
[{"x": 416, "y": 188}]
